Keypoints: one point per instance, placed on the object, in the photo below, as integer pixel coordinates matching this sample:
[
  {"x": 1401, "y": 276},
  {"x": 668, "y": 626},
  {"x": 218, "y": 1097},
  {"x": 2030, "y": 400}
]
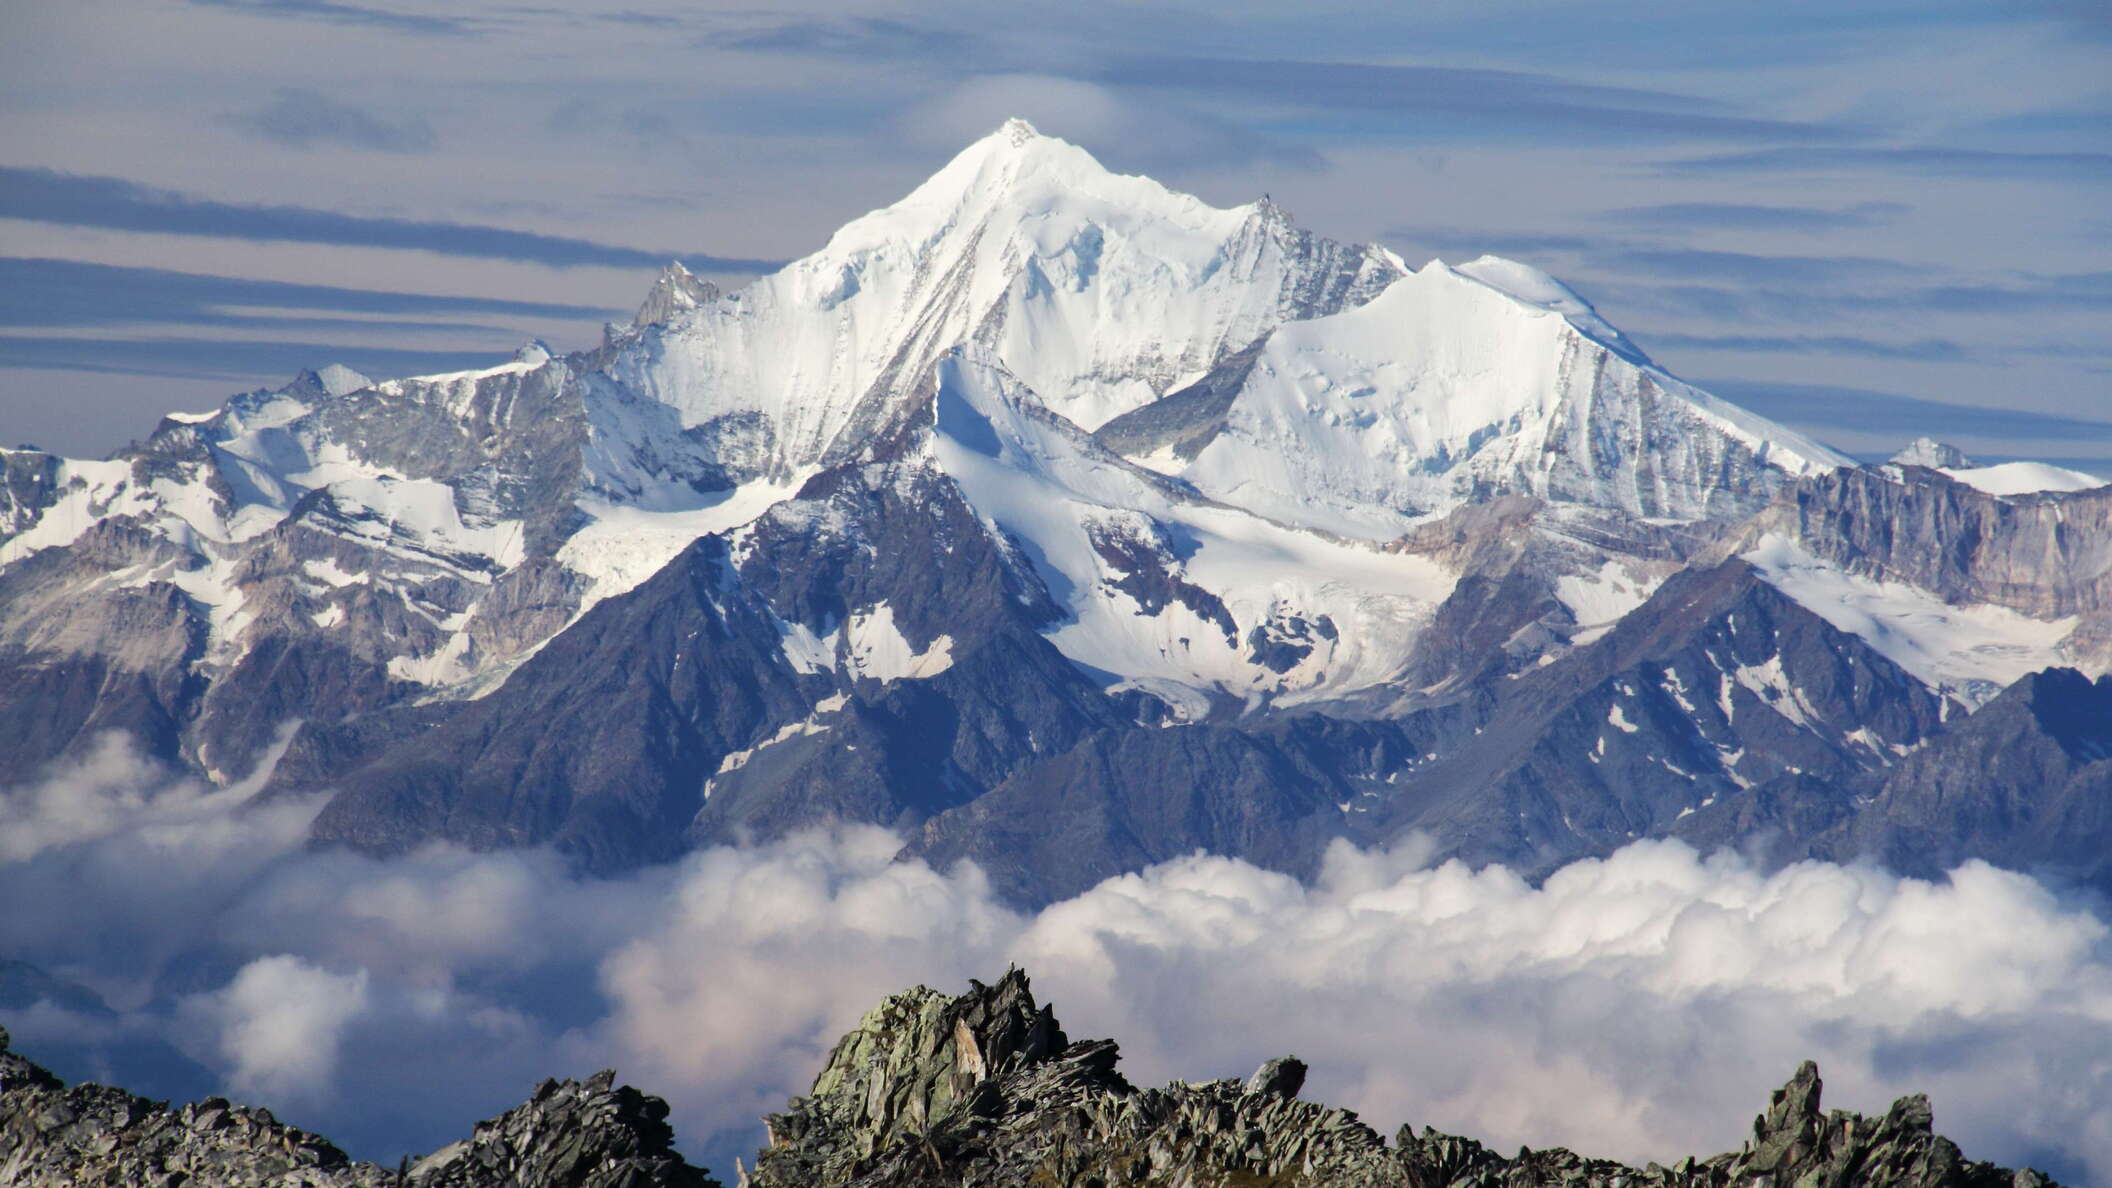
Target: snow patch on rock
[{"x": 1970, "y": 652}]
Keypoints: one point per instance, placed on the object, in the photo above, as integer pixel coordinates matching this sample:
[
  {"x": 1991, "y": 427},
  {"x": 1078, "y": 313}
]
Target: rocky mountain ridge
[{"x": 978, "y": 1089}]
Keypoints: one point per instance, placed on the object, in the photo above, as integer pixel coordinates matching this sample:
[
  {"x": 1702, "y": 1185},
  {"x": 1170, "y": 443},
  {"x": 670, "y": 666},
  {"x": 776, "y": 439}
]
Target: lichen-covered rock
[
  {"x": 985, "y": 1091},
  {"x": 574, "y": 1134},
  {"x": 1793, "y": 1143},
  {"x": 95, "y": 1135}
]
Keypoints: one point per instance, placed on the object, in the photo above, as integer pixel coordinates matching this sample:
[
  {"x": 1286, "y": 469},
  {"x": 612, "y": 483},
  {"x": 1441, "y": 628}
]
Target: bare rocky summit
[
  {"x": 985, "y": 1090},
  {"x": 980, "y": 1090}
]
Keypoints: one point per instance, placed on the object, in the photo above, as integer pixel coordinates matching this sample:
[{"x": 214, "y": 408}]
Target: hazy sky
[{"x": 1868, "y": 219}]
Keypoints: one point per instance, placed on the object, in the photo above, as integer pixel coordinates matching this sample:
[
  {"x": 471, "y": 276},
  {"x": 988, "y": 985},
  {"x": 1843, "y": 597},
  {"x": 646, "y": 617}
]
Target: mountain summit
[
  {"x": 1061, "y": 521},
  {"x": 1100, "y": 291}
]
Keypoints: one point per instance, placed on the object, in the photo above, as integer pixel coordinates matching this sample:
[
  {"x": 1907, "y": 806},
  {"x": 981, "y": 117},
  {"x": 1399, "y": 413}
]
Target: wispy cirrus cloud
[
  {"x": 1751, "y": 268},
  {"x": 1733, "y": 301},
  {"x": 1939, "y": 161},
  {"x": 1926, "y": 350},
  {"x": 1867, "y": 410},
  {"x": 77, "y": 200},
  {"x": 1153, "y": 136},
  {"x": 1740, "y": 216},
  {"x": 1462, "y": 243},
  {"x": 334, "y": 12},
  {"x": 233, "y": 361},
  {"x": 859, "y": 38},
  {"x": 1471, "y": 99},
  {"x": 53, "y": 293},
  {"x": 301, "y": 118}
]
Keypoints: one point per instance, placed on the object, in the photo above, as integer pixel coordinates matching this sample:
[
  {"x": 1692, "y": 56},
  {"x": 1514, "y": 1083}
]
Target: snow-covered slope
[
  {"x": 1969, "y": 652},
  {"x": 977, "y": 501},
  {"x": 2023, "y": 478},
  {"x": 2005, "y": 478},
  {"x": 1212, "y": 432},
  {"x": 1448, "y": 388},
  {"x": 1101, "y": 291},
  {"x": 1172, "y": 594}
]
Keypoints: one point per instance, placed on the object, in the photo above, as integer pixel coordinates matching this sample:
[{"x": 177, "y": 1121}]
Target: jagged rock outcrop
[
  {"x": 985, "y": 1089},
  {"x": 579, "y": 1134},
  {"x": 571, "y": 1134},
  {"x": 94, "y": 1134},
  {"x": 979, "y": 1090},
  {"x": 676, "y": 292}
]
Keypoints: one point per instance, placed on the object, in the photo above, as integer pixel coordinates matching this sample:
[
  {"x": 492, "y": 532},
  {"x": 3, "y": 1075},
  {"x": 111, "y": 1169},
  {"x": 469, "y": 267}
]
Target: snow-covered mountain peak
[
  {"x": 1021, "y": 176},
  {"x": 1934, "y": 454},
  {"x": 1102, "y": 292},
  {"x": 338, "y": 379},
  {"x": 2003, "y": 479},
  {"x": 1454, "y": 384},
  {"x": 1529, "y": 285},
  {"x": 676, "y": 292}
]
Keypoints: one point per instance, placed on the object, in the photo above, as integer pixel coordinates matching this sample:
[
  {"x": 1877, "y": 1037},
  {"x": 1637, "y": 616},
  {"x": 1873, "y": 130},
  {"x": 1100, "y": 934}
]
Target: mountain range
[{"x": 1067, "y": 524}]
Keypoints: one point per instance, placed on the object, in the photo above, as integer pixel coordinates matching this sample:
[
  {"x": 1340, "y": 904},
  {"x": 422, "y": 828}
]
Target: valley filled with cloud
[{"x": 1639, "y": 1006}]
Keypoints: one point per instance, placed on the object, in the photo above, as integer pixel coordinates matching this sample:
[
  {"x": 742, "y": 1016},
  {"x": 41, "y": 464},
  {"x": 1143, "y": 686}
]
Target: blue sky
[{"x": 1870, "y": 220}]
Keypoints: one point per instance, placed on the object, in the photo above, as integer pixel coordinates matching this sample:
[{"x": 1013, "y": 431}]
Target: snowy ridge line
[{"x": 1033, "y": 295}]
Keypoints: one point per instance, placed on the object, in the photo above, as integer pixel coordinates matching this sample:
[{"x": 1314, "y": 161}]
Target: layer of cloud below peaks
[{"x": 1639, "y": 1007}]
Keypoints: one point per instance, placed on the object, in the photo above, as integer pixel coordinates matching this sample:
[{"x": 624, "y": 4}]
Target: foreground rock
[
  {"x": 978, "y": 1091},
  {"x": 573, "y": 1134},
  {"x": 986, "y": 1090}
]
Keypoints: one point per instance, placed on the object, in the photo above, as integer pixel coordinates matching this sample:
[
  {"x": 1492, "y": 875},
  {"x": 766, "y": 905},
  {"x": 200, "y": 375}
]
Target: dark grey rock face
[
  {"x": 2046, "y": 555},
  {"x": 1124, "y": 799},
  {"x": 72, "y": 668},
  {"x": 1148, "y": 566},
  {"x": 678, "y": 714},
  {"x": 578, "y": 1134},
  {"x": 1718, "y": 683},
  {"x": 615, "y": 742},
  {"x": 29, "y": 480},
  {"x": 674, "y": 716},
  {"x": 1185, "y": 420},
  {"x": 2025, "y": 782}
]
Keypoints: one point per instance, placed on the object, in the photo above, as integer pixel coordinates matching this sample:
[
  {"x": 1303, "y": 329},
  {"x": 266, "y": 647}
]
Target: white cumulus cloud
[
  {"x": 1639, "y": 1006},
  {"x": 278, "y": 1026}
]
